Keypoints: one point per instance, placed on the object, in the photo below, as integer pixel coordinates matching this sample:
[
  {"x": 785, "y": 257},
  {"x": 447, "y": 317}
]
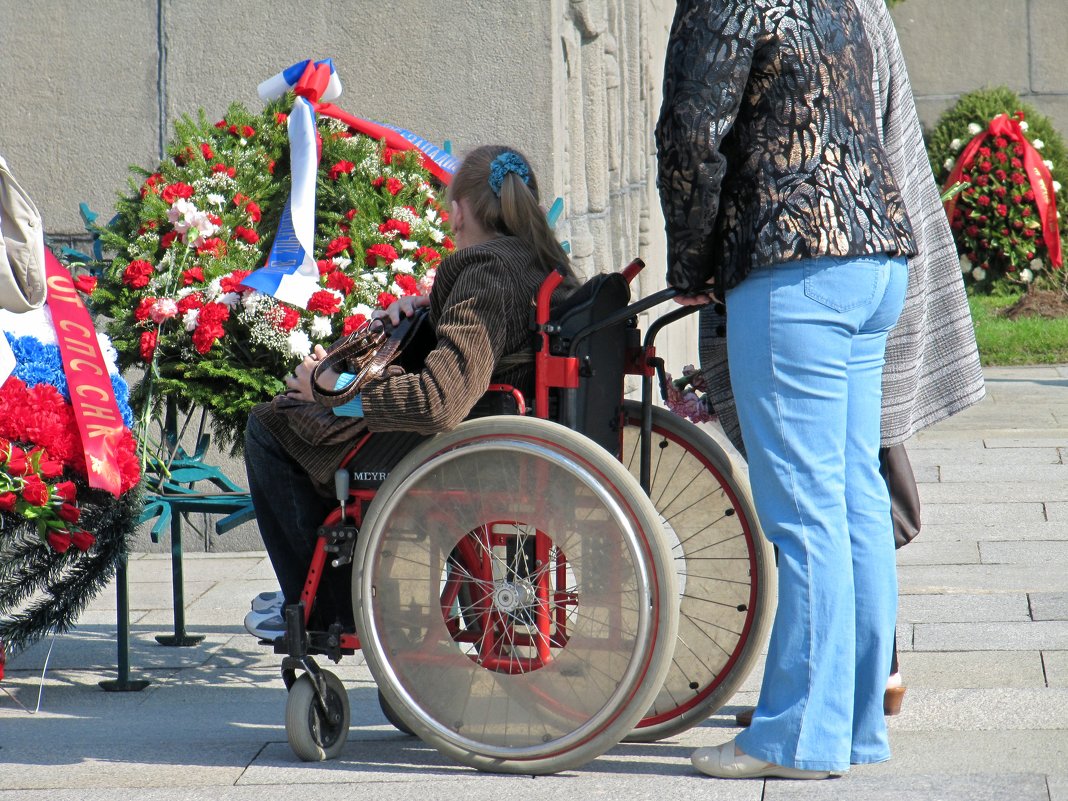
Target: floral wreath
[{"x": 194, "y": 228}]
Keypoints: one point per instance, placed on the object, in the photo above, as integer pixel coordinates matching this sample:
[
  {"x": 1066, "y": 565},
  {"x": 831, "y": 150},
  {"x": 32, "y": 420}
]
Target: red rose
[
  {"x": 206, "y": 151},
  {"x": 9, "y": 499},
  {"x": 1029, "y": 195},
  {"x": 983, "y": 200},
  {"x": 137, "y": 274},
  {"x": 985, "y": 166},
  {"x": 399, "y": 227},
  {"x": 324, "y": 302},
  {"x": 1000, "y": 191},
  {"x": 176, "y": 191},
  {"x": 289, "y": 319},
  {"x": 984, "y": 151},
  {"x": 47, "y": 466},
  {"x": 248, "y": 131},
  {"x": 1017, "y": 164},
  {"x": 85, "y": 284},
  {"x": 246, "y": 234},
  {"x": 385, "y": 299},
  {"x": 168, "y": 239},
  {"x": 394, "y": 186},
  {"x": 1003, "y": 210},
  {"x": 408, "y": 284},
  {"x": 326, "y": 266},
  {"x": 1019, "y": 178},
  {"x": 353, "y": 323},
  {"x": 69, "y": 513},
  {"x": 16, "y": 461},
  {"x": 377, "y": 254},
  {"x": 341, "y": 168},
  {"x": 65, "y": 490},
  {"x": 337, "y": 246},
  {"x": 444, "y": 215},
  {"x": 1002, "y": 158},
  {"x": 59, "y": 540},
  {"x": 1029, "y": 233},
  {"x": 34, "y": 491},
  {"x": 232, "y": 282},
  {"x": 972, "y": 231},
  {"x": 1001, "y": 141},
  {"x": 82, "y": 540},
  {"x": 149, "y": 340},
  {"x": 232, "y": 129},
  {"x": 143, "y": 308},
  {"x": 341, "y": 282},
  {"x": 253, "y": 211},
  {"x": 194, "y": 275},
  {"x": 1001, "y": 175}
]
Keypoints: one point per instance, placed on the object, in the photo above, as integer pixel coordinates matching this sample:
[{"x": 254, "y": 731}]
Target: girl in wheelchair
[{"x": 479, "y": 309}]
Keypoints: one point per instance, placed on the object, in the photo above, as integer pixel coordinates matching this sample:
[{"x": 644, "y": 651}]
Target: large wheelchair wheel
[
  {"x": 725, "y": 569},
  {"x": 516, "y": 600}
]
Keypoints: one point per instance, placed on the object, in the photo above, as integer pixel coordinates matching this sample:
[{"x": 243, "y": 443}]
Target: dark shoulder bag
[{"x": 896, "y": 469}]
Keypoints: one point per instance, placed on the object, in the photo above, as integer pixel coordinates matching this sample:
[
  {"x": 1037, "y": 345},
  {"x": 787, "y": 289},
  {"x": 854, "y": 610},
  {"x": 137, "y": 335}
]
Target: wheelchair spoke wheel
[
  {"x": 316, "y": 734},
  {"x": 517, "y": 604},
  {"x": 724, "y": 567}
]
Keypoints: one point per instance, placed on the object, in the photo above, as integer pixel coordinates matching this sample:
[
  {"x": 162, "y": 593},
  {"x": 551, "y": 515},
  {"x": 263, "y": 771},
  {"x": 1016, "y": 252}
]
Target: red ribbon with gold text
[
  {"x": 1037, "y": 174},
  {"x": 91, "y": 394}
]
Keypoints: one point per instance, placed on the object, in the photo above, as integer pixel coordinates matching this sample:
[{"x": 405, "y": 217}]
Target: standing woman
[{"x": 779, "y": 199}]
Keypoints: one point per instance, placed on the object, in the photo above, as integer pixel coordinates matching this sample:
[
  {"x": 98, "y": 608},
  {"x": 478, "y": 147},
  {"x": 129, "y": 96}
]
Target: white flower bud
[
  {"x": 979, "y": 274},
  {"x": 965, "y": 264},
  {"x": 975, "y": 129},
  {"x": 955, "y": 145},
  {"x": 948, "y": 164},
  {"x": 1023, "y": 125},
  {"x": 1038, "y": 144},
  {"x": 1049, "y": 164},
  {"x": 1026, "y": 275},
  {"x": 1056, "y": 186},
  {"x": 1036, "y": 265}
]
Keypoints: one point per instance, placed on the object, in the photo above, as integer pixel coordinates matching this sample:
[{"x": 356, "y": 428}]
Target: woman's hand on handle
[
  {"x": 299, "y": 385},
  {"x": 401, "y": 307}
]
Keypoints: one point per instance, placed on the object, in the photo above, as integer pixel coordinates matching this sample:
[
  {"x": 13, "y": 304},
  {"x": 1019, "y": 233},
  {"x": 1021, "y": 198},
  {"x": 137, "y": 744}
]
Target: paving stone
[
  {"x": 983, "y": 457},
  {"x": 980, "y": 578},
  {"x": 963, "y": 753},
  {"x": 1057, "y": 512},
  {"x": 861, "y": 786},
  {"x": 963, "y": 607},
  {"x": 987, "y": 513},
  {"x": 983, "y": 492},
  {"x": 1056, "y": 667},
  {"x": 1049, "y": 605},
  {"x": 1024, "y": 553},
  {"x": 1038, "y": 709},
  {"x": 971, "y": 669},
  {"x": 931, "y": 552},
  {"x": 991, "y": 636},
  {"x": 1058, "y": 787},
  {"x": 1008, "y": 531},
  {"x": 1007, "y": 473}
]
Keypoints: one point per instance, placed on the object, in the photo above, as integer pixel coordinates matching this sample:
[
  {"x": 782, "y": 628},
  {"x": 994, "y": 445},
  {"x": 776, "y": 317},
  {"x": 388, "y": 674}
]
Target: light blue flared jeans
[{"x": 806, "y": 342}]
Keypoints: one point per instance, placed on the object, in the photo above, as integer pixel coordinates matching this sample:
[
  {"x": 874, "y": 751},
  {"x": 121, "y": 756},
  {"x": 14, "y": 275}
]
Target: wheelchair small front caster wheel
[{"x": 315, "y": 735}]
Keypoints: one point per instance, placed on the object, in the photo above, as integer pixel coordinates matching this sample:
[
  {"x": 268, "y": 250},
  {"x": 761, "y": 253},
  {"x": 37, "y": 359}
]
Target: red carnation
[
  {"x": 394, "y": 186},
  {"x": 149, "y": 340},
  {"x": 239, "y": 199},
  {"x": 213, "y": 245},
  {"x": 221, "y": 168},
  {"x": 1029, "y": 195},
  {"x": 9, "y": 499},
  {"x": 213, "y": 313},
  {"x": 324, "y": 302},
  {"x": 337, "y": 246},
  {"x": 143, "y": 308},
  {"x": 972, "y": 231},
  {"x": 448, "y": 244},
  {"x": 248, "y": 131},
  {"x": 246, "y": 234},
  {"x": 1002, "y": 158},
  {"x": 289, "y": 319},
  {"x": 221, "y": 123},
  {"x": 444, "y": 215},
  {"x": 34, "y": 491},
  {"x": 399, "y": 227},
  {"x": 192, "y": 276},
  {"x": 378, "y": 182},
  {"x": 281, "y": 118},
  {"x": 341, "y": 282},
  {"x": 232, "y": 282},
  {"x": 205, "y": 336},
  {"x": 1001, "y": 175},
  {"x": 388, "y": 153},
  {"x": 1016, "y": 164},
  {"x": 168, "y": 239},
  {"x": 427, "y": 255},
  {"x": 193, "y": 300},
  {"x": 353, "y": 323},
  {"x": 82, "y": 540},
  {"x": 176, "y": 191},
  {"x": 1000, "y": 191},
  {"x": 232, "y": 129},
  {"x": 65, "y": 490},
  {"x": 206, "y": 151},
  {"x": 326, "y": 266},
  {"x": 408, "y": 284},
  {"x": 253, "y": 211},
  {"x": 341, "y": 168},
  {"x": 385, "y": 299},
  {"x": 1029, "y": 233},
  {"x": 137, "y": 274},
  {"x": 85, "y": 284},
  {"x": 69, "y": 513},
  {"x": 59, "y": 540},
  {"x": 350, "y": 214},
  {"x": 984, "y": 151},
  {"x": 380, "y": 253}
]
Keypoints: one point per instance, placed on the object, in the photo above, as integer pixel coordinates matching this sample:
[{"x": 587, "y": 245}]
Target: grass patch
[{"x": 1025, "y": 340}]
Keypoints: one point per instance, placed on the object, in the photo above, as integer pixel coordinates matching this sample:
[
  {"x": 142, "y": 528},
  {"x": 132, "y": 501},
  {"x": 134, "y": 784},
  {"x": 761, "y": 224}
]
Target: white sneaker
[
  {"x": 268, "y": 600},
  {"x": 267, "y": 625}
]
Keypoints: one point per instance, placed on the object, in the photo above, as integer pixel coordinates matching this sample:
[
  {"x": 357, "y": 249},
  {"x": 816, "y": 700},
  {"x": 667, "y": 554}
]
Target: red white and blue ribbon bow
[{"x": 291, "y": 274}]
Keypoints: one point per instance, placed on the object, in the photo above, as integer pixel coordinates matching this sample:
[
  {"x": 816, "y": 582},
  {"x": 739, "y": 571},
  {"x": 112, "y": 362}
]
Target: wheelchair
[{"x": 539, "y": 584}]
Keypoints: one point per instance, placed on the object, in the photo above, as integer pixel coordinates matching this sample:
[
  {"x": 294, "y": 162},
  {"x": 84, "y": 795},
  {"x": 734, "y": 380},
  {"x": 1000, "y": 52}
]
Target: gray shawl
[{"x": 932, "y": 365}]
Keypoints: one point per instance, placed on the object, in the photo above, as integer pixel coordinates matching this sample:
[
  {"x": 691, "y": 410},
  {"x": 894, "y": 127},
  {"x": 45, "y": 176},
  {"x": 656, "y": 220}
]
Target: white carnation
[
  {"x": 213, "y": 289},
  {"x": 955, "y": 145},
  {"x": 341, "y": 261},
  {"x": 1038, "y": 144},
  {"x": 431, "y": 215},
  {"x": 362, "y": 308},
  {"x": 252, "y": 299},
  {"x": 975, "y": 129},
  {"x": 407, "y": 244},
  {"x": 1026, "y": 275},
  {"x": 403, "y": 266},
  {"x": 965, "y": 264},
  {"x": 299, "y": 344},
  {"x": 230, "y": 299},
  {"x": 437, "y": 235},
  {"x": 1023, "y": 125},
  {"x": 979, "y": 274},
  {"x": 216, "y": 199},
  {"x": 189, "y": 319},
  {"x": 320, "y": 327}
]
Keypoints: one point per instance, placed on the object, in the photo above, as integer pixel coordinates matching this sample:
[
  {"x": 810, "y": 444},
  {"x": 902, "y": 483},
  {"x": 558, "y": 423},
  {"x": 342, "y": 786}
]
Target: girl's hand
[
  {"x": 300, "y": 383},
  {"x": 401, "y": 307}
]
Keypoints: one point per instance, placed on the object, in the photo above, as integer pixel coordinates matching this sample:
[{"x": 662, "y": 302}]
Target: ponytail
[{"x": 502, "y": 192}]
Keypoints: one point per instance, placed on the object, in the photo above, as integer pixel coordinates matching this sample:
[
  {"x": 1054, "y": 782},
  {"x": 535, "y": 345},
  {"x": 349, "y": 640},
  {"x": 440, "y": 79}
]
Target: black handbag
[{"x": 896, "y": 469}]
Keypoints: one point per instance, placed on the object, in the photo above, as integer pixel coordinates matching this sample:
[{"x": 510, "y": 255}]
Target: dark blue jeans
[{"x": 289, "y": 511}]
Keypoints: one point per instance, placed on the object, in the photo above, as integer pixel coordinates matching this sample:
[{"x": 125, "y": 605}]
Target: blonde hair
[{"x": 515, "y": 211}]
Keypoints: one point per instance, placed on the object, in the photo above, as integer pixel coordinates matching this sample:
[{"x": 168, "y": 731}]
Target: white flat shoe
[{"x": 722, "y": 762}]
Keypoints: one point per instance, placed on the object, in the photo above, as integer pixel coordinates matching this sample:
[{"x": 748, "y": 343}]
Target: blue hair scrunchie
[{"x": 505, "y": 163}]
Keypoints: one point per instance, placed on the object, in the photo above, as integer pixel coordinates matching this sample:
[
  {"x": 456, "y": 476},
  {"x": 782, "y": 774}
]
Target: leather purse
[
  {"x": 22, "y": 258},
  {"x": 896, "y": 469}
]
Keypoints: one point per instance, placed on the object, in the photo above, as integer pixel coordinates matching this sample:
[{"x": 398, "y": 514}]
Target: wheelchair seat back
[{"x": 595, "y": 407}]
